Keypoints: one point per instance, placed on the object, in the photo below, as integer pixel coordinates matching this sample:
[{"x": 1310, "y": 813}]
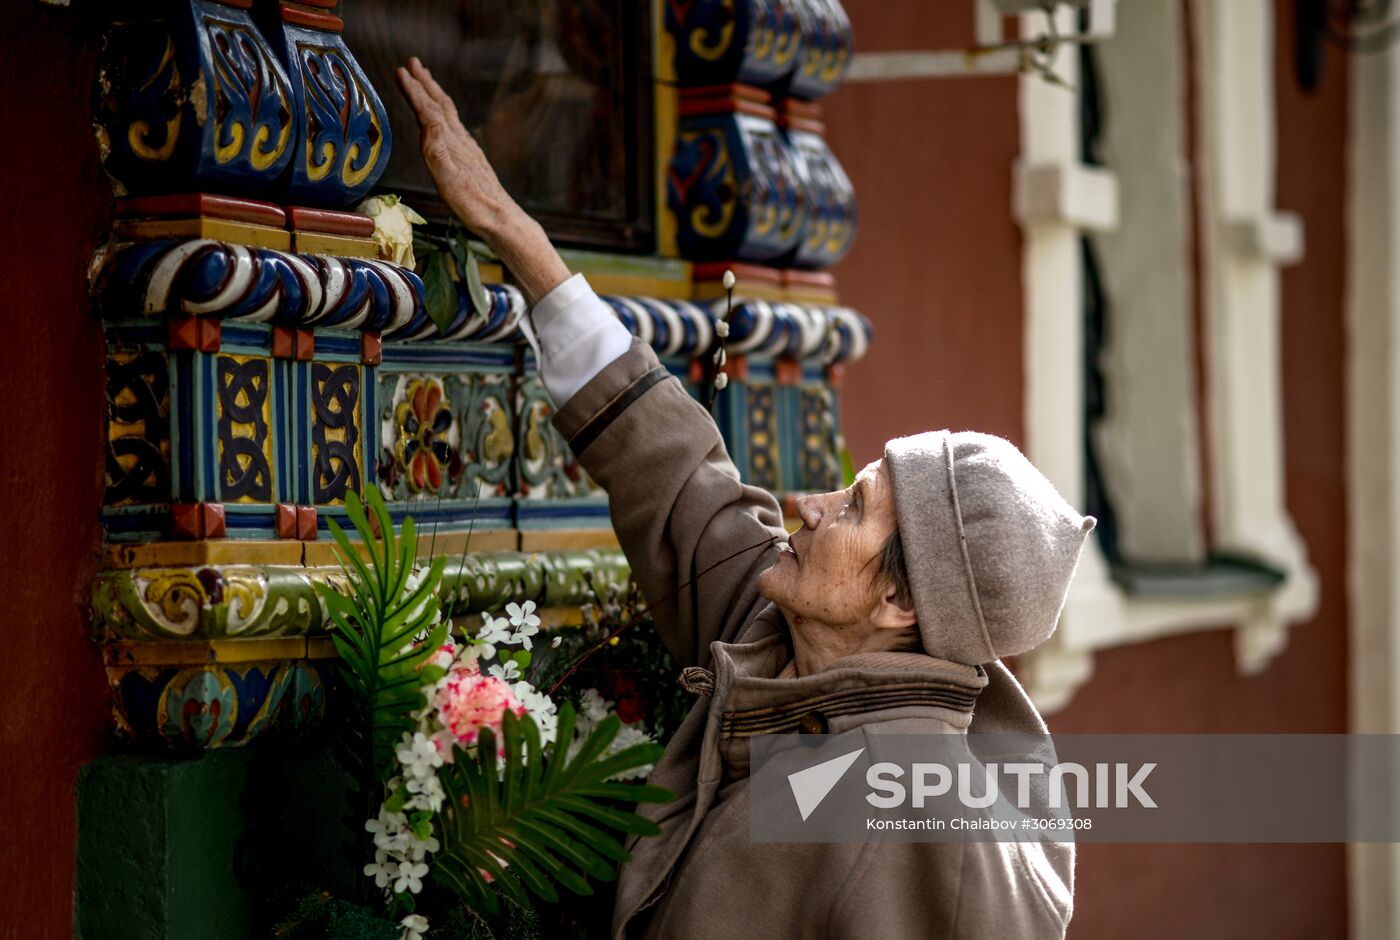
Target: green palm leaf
[
  {"x": 537, "y": 824},
  {"x": 374, "y": 629}
]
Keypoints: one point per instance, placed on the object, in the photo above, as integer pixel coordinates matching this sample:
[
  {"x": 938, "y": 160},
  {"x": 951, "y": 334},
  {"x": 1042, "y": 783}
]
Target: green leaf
[
  {"x": 522, "y": 658},
  {"x": 350, "y": 560},
  {"x": 481, "y": 304},
  {"x": 355, "y": 510},
  {"x": 440, "y": 297},
  {"x": 373, "y": 629},
  {"x": 555, "y": 826},
  {"x": 396, "y": 800},
  {"x": 469, "y": 271}
]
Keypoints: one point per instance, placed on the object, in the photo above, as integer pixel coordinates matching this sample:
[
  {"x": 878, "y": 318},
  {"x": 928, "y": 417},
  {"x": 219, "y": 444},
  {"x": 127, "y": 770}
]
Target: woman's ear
[{"x": 890, "y": 614}]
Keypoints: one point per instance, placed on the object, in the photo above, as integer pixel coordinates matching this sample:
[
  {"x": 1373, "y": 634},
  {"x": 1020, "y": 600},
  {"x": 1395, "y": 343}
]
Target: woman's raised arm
[{"x": 471, "y": 190}]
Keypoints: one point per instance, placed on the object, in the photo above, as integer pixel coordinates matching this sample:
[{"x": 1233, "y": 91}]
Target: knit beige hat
[{"x": 989, "y": 543}]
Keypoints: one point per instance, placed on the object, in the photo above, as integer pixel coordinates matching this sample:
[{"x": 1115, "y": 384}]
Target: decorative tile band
[
  {"x": 213, "y": 656},
  {"x": 758, "y": 328},
  {"x": 243, "y": 438},
  {"x": 802, "y": 46},
  {"x": 246, "y": 602},
  {"x": 206, "y": 278},
  {"x": 198, "y": 95},
  {"x": 775, "y": 329},
  {"x": 196, "y": 707},
  {"x": 202, "y": 277}
]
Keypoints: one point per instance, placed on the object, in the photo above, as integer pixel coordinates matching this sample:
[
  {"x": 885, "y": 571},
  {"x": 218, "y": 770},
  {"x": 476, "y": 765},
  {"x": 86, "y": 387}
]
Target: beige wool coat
[{"x": 678, "y": 507}]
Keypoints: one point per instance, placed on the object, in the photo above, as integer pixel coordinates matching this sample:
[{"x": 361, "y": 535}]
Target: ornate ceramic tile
[
  {"x": 335, "y": 431},
  {"x": 138, "y": 428},
  {"x": 244, "y": 409},
  {"x": 547, "y": 468}
]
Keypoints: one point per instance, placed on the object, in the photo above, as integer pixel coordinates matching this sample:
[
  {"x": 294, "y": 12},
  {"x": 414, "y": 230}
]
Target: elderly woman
[{"x": 889, "y": 610}]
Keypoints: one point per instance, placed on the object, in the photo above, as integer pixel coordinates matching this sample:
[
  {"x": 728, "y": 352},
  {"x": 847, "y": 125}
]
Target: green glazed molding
[
  {"x": 490, "y": 580},
  {"x": 232, "y": 602},
  {"x": 213, "y": 602}
]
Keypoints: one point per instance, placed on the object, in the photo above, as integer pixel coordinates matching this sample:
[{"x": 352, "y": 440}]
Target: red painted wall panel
[
  {"x": 52, "y": 704},
  {"x": 937, "y": 260}
]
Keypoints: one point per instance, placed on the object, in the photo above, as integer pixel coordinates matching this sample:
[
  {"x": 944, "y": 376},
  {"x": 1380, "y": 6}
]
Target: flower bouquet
[{"x": 473, "y": 778}]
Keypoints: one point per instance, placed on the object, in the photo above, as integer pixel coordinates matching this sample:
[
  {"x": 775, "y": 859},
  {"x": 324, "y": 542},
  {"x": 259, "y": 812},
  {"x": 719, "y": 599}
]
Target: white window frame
[
  {"x": 1245, "y": 242},
  {"x": 1373, "y": 452}
]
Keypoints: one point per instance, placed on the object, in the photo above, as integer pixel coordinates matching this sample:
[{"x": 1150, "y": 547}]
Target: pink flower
[
  {"x": 442, "y": 657},
  {"x": 469, "y": 702}
]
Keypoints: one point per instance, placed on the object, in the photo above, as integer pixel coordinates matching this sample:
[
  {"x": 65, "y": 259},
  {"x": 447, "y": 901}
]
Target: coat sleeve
[
  {"x": 961, "y": 891},
  {"x": 676, "y": 501}
]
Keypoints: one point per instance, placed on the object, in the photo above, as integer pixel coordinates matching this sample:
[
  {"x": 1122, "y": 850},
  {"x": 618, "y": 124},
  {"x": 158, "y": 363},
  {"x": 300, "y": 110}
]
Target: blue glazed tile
[
  {"x": 338, "y": 345},
  {"x": 369, "y": 423},
  {"x": 405, "y": 356},
  {"x": 283, "y": 441},
  {"x": 719, "y": 42},
  {"x": 193, "y": 98},
  {"x": 345, "y": 142},
  {"x": 254, "y": 337},
  {"x": 206, "y": 423},
  {"x": 136, "y": 523},
  {"x": 139, "y": 697},
  {"x": 733, "y": 185},
  {"x": 551, "y": 514},
  {"x": 251, "y": 688},
  {"x": 300, "y": 440},
  {"x": 790, "y": 443},
  {"x": 182, "y": 427}
]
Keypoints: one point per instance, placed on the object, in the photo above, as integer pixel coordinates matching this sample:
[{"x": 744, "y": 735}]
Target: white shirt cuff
[{"x": 574, "y": 335}]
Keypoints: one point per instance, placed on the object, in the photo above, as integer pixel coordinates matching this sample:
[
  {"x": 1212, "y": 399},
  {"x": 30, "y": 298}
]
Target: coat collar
[
  {"x": 759, "y": 691},
  {"x": 756, "y": 690}
]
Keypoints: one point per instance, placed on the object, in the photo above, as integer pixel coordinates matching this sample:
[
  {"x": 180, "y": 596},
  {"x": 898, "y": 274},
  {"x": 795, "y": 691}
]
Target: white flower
[
  {"x": 522, "y": 616},
  {"x": 554, "y": 643},
  {"x": 419, "y": 848},
  {"x": 428, "y": 793},
  {"x": 728, "y": 280},
  {"x": 593, "y": 706},
  {"x": 384, "y": 869},
  {"x": 507, "y": 672},
  {"x": 627, "y": 736},
  {"x": 540, "y": 707},
  {"x": 721, "y": 381},
  {"x": 410, "y": 877},
  {"x": 414, "y": 927},
  {"x": 390, "y": 830},
  {"x": 722, "y": 329},
  {"x": 418, "y": 755},
  {"x": 393, "y": 227},
  {"x": 494, "y": 631},
  {"x": 525, "y": 622}
]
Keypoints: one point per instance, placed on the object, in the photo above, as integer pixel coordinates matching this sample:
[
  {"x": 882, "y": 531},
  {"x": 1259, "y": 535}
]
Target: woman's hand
[
  {"x": 469, "y": 186},
  {"x": 463, "y": 174}
]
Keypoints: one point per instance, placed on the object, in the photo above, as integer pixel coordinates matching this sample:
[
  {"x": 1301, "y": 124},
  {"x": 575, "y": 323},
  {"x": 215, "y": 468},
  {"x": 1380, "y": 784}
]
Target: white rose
[{"x": 393, "y": 227}]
